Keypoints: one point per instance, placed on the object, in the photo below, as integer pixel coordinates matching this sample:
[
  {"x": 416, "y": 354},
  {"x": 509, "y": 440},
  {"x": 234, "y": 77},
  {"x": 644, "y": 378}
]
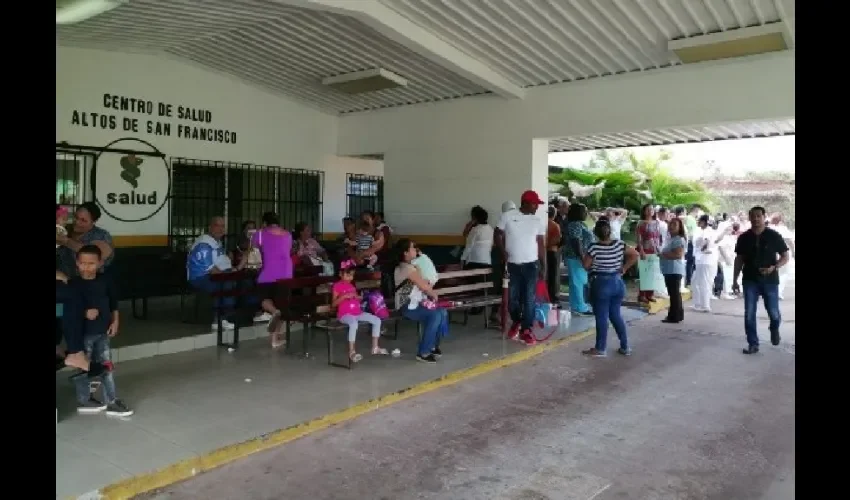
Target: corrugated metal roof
[{"x": 680, "y": 135}]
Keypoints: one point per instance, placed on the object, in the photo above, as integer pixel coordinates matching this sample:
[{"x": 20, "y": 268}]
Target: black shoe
[
  {"x": 426, "y": 359},
  {"x": 753, "y": 349},
  {"x": 93, "y": 405},
  {"x": 668, "y": 320},
  {"x": 436, "y": 352},
  {"x": 118, "y": 408},
  {"x": 775, "y": 338}
]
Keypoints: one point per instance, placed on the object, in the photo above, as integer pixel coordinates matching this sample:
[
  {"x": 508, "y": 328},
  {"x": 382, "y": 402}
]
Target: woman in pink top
[
  {"x": 347, "y": 301},
  {"x": 275, "y": 244}
]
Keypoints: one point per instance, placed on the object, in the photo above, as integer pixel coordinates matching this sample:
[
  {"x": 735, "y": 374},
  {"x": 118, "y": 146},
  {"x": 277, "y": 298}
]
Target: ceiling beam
[{"x": 401, "y": 30}]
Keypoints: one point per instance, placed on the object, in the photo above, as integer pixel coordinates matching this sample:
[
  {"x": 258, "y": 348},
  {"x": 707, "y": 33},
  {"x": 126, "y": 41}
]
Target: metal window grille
[
  {"x": 239, "y": 192},
  {"x": 73, "y": 176},
  {"x": 364, "y": 192}
]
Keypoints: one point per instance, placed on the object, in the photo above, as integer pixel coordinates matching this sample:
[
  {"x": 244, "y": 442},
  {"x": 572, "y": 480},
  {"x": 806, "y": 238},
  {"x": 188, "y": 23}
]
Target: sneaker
[
  {"x": 753, "y": 349},
  {"x": 585, "y": 313},
  {"x": 726, "y": 296},
  {"x": 527, "y": 338},
  {"x": 262, "y": 318},
  {"x": 92, "y": 406},
  {"x": 431, "y": 359},
  {"x": 592, "y": 352},
  {"x": 436, "y": 352},
  {"x": 625, "y": 352},
  {"x": 775, "y": 338},
  {"x": 118, "y": 408},
  {"x": 227, "y": 325},
  {"x": 513, "y": 333}
]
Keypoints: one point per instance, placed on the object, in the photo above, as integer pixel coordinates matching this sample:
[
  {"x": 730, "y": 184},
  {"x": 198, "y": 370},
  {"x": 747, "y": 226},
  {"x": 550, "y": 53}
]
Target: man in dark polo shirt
[{"x": 760, "y": 252}]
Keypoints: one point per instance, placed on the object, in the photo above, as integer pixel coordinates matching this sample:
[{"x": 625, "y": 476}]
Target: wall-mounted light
[{"x": 75, "y": 11}]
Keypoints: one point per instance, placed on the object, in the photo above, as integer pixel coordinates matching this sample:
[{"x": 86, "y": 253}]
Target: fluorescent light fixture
[
  {"x": 75, "y": 11},
  {"x": 370, "y": 80},
  {"x": 733, "y": 43}
]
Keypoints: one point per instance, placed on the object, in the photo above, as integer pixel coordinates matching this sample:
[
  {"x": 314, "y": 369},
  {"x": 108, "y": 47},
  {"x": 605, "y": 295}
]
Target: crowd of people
[{"x": 714, "y": 256}]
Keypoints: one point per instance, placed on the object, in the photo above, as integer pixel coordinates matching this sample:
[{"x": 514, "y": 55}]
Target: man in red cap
[{"x": 521, "y": 239}]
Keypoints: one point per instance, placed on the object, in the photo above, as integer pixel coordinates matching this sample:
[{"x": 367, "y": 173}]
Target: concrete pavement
[{"x": 686, "y": 417}]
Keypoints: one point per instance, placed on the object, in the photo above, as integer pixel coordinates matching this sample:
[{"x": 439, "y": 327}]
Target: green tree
[{"x": 630, "y": 181}]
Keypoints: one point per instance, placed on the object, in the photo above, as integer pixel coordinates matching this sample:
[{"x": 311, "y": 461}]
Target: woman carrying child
[{"x": 347, "y": 302}]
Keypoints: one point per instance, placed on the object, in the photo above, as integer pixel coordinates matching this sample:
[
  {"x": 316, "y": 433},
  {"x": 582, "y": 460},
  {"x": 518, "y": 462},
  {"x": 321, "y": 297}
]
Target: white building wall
[{"x": 270, "y": 130}]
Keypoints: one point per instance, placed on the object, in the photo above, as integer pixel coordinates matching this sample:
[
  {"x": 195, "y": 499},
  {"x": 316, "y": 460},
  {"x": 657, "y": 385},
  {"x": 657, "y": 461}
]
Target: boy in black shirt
[
  {"x": 756, "y": 252},
  {"x": 90, "y": 318}
]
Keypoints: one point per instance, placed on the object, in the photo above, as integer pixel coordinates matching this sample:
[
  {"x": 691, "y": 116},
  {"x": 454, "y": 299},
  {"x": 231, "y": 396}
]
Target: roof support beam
[{"x": 418, "y": 39}]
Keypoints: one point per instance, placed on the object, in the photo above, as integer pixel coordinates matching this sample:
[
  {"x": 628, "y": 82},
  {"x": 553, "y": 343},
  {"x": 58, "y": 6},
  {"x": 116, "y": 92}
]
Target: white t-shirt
[
  {"x": 479, "y": 245},
  {"x": 521, "y": 232},
  {"x": 616, "y": 228},
  {"x": 665, "y": 232},
  {"x": 712, "y": 254},
  {"x": 783, "y": 231}
]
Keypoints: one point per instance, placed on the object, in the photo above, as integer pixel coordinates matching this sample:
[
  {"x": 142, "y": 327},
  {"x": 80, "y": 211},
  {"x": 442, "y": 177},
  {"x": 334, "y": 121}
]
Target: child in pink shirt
[{"x": 347, "y": 301}]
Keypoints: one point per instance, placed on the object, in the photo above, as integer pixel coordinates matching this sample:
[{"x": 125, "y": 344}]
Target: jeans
[
  {"x": 206, "y": 285},
  {"x": 430, "y": 319},
  {"x": 690, "y": 263},
  {"x": 770, "y": 293},
  {"x": 96, "y": 348},
  {"x": 553, "y": 275},
  {"x": 354, "y": 321},
  {"x": 676, "y": 312},
  {"x": 606, "y": 293},
  {"x": 577, "y": 282},
  {"x": 522, "y": 293}
]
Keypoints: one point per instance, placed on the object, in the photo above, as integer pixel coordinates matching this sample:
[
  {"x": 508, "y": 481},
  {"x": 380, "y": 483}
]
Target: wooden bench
[
  {"x": 242, "y": 286},
  {"x": 468, "y": 289}
]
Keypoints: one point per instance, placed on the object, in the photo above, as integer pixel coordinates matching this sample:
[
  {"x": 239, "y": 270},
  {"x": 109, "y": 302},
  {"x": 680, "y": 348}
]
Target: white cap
[{"x": 508, "y": 206}]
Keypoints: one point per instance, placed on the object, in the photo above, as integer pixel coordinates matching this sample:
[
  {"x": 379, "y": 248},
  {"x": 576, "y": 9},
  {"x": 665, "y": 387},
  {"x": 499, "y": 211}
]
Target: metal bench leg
[
  {"x": 306, "y": 340},
  {"x": 219, "y": 329},
  {"x": 288, "y": 348}
]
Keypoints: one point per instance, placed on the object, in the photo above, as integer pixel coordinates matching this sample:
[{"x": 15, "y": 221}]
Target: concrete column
[{"x": 430, "y": 189}]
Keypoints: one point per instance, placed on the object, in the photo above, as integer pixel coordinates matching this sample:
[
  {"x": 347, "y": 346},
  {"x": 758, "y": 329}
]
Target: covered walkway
[
  {"x": 687, "y": 416},
  {"x": 191, "y": 403}
]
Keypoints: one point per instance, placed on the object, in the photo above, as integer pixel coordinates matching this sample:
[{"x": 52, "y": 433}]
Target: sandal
[
  {"x": 354, "y": 357},
  {"x": 277, "y": 341},
  {"x": 380, "y": 351}
]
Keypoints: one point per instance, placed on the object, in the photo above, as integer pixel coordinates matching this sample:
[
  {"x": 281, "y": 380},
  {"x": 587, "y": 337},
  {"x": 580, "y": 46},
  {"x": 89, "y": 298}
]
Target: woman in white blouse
[{"x": 478, "y": 251}]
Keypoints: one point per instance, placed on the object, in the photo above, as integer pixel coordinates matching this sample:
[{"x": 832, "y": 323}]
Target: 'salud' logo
[{"x": 126, "y": 190}]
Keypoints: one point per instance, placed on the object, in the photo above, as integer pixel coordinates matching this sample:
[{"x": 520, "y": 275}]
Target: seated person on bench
[
  {"x": 347, "y": 302},
  {"x": 207, "y": 257}
]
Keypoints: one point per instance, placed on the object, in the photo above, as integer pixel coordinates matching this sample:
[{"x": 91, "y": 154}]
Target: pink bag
[{"x": 377, "y": 305}]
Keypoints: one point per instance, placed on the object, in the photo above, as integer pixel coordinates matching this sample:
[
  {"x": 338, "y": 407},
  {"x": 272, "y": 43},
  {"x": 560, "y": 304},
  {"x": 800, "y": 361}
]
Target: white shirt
[
  {"x": 616, "y": 228},
  {"x": 783, "y": 231},
  {"x": 479, "y": 245},
  {"x": 711, "y": 255},
  {"x": 665, "y": 232},
  {"x": 521, "y": 233}
]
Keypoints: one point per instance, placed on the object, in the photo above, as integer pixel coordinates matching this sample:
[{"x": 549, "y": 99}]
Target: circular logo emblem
[{"x": 131, "y": 180}]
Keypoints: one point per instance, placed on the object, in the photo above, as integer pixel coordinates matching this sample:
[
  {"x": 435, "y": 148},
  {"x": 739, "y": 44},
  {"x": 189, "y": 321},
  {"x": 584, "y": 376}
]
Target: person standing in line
[
  {"x": 778, "y": 225},
  {"x": 578, "y": 238},
  {"x": 648, "y": 244},
  {"x": 706, "y": 259},
  {"x": 521, "y": 239},
  {"x": 673, "y": 268},
  {"x": 608, "y": 259},
  {"x": 553, "y": 257},
  {"x": 691, "y": 230},
  {"x": 756, "y": 256}
]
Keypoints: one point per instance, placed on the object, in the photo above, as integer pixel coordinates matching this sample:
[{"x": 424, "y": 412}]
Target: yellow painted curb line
[{"x": 188, "y": 468}]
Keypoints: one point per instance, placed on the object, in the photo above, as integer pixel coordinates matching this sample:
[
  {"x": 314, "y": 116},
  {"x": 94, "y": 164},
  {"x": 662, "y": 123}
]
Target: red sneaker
[
  {"x": 513, "y": 333},
  {"x": 527, "y": 338}
]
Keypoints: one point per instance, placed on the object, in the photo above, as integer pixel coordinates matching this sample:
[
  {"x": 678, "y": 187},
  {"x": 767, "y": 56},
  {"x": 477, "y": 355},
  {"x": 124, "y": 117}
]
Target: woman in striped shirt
[{"x": 608, "y": 259}]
